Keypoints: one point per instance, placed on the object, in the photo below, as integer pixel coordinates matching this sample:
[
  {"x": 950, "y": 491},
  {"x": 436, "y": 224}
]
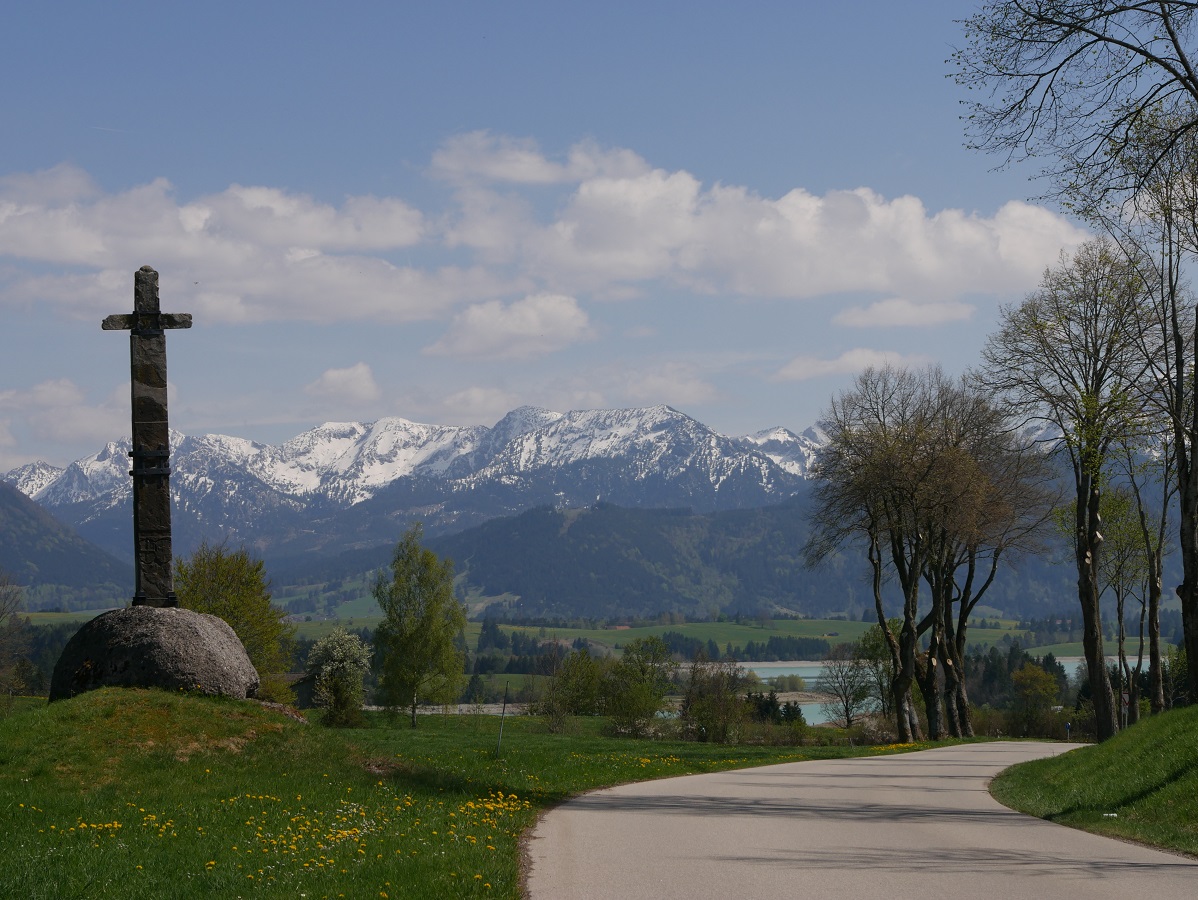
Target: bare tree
[
  {"x": 1073, "y": 80},
  {"x": 1067, "y": 358},
  {"x": 1159, "y": 225},
  {"x": 1011, "y": 501},
  {"x": 868, "y": 491},
  {"x": 845, "y": 681}
]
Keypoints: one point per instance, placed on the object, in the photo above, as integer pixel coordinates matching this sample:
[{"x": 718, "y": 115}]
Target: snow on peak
[
  {"x": 32, "y": 478},
  {"x": 347, "y": 462}
]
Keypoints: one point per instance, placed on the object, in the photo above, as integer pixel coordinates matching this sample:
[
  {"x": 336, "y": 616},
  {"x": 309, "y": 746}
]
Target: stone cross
[{"x": 153, "y": 562}]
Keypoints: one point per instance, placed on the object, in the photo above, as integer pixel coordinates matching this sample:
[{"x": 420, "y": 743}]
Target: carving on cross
[{"x": 147, "y": 324}]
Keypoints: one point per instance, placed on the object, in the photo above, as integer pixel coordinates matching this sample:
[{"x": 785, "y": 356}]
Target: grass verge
[
  {"x": 1141, "y": 785},
  {"x": 132, "y": 793}
]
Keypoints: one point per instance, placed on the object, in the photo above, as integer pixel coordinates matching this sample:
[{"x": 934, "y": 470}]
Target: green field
[
  {"x": 58, "y": 618},
  {"x": 364, "y": 614},
  {"x": 722, "y": 633},
  {"x": 1072, "y": 649},
  {"x": 147, "y": 794}
]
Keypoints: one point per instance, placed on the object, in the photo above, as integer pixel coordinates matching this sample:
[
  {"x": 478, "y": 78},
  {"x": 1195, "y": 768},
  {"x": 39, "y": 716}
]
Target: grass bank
[
  {"x": 130, "y": 794},
  {"x": 1141, "y": 785}
]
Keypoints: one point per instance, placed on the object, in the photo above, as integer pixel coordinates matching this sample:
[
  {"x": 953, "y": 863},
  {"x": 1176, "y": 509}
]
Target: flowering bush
[{"x": 339, "y": 662}]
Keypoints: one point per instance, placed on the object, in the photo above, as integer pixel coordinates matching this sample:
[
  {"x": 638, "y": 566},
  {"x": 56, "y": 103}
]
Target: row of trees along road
[
  {"x": 925, "y": 473},
  {"x": 1106, "y": 95}
]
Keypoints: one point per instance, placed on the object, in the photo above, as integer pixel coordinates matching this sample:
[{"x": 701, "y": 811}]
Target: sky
[{"x": 446, "y": 211}]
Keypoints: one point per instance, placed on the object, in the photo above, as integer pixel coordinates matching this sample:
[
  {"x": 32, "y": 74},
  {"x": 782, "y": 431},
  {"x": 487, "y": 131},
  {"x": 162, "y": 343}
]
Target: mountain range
[
  {"x": 596, "y": 513},
  {"x": 347, "y": 486}
]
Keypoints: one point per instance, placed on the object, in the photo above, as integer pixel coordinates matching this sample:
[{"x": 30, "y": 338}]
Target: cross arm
[{"x": 154, "y": 321}]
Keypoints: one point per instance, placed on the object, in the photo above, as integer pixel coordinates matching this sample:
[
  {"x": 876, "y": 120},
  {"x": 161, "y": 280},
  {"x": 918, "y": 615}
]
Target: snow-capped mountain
[
  {"x": 352, "y": 484},
  {"x": 793, "y": 452},
  {"x": 33, "y": 478}
]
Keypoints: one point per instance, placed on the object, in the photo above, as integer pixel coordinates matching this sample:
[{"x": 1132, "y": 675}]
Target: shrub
[{"x": 339, "y": 662}]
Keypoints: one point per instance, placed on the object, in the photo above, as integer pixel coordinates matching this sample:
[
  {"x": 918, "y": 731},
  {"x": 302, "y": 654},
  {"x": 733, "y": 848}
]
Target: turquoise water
[{"x": 808, "y": 671}]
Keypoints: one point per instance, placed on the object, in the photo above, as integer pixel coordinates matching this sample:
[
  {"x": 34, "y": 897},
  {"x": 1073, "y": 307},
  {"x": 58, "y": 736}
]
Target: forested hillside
[
  {"x": 607, "y": 561},
  {"x": 55, "y": 565}
]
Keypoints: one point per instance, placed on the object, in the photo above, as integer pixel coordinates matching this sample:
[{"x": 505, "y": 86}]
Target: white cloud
[
  {"x": 58, "y": 412},
  {"x": 480, "y": 403},
  {"x": 483, "y": 156},
  {"x": 533, "y": 326},
  {"x": 597, "y": 221},
  {"x": 803, "y": 368},
  {"x": 61, "y": 184},
  {"x": 245, "y": 254},
  {"x": 728, "y": 240},
  {"x": 898, "y": 311},
  {"x": 677, "y": 384},
  {"x": 351, "y": 385}
]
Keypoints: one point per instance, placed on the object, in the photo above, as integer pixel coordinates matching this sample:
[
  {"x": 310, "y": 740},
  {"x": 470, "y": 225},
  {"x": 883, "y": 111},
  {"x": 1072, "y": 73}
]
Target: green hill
[
  {"x": 57, "y": 566},
  {"x": 1141, "y": 785},
  {"x": 608, "y": 562},
  {"x": 130, "y": 794}
]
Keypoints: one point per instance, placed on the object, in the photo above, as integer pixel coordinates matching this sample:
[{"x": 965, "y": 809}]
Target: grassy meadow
[
  {"x": 1141, "y": 785},
  {"x": 137, "y": 793}
]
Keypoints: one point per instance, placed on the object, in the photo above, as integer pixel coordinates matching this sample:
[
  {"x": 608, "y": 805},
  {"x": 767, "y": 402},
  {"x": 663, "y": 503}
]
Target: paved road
[{"x": 892, "y": 827}]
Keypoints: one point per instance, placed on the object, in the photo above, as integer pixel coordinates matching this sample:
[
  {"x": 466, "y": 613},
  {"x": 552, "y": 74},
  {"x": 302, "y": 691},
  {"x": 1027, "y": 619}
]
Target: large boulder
[{"x": 148, "y": 646}]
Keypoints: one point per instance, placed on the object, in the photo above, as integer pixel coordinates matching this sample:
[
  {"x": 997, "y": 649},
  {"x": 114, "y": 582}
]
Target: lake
[
  {"x": 809, "y": 671},
  {"x": 805, "y": 669}
]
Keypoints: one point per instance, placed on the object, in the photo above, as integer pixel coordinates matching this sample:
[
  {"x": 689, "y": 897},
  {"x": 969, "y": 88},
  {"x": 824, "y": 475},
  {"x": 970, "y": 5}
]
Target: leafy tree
[
  {"x": 874, "y": 653},
  {"x": 232, "y": 585},
  {"x": 846, "y": 680},
  {"x": 923, "y": 471},
  {"x": 1110, "y": 90},
  {"x": 415, "y": 646},
  {"x": 637, "y": 685},
  {"x": 1123, "y": 568},
  {"x": 339, "y": 663},
  {"x": 1067, "y": 358},
  {"x": 1035, "y": 693},
  {"x": 712, "y": 705},
  {"x": 576, "y": 689}
]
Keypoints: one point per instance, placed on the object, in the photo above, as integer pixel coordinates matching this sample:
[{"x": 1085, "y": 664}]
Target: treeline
[{"x": 777, "y": 647}]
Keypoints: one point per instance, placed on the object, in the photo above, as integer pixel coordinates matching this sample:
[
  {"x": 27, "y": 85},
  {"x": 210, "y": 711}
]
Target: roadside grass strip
[{"x": 1141, "y": 785}]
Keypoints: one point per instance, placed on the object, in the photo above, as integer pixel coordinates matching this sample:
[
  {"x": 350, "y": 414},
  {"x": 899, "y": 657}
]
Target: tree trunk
[
  {"x": 413, "y": 709},
  {"x": 927, "y": 672},
  {"x": 899, "y": 687},
  {"x": 1123, "y": 668},
  {"x": 951, "y": 716},
  {"x": 1089, "y": 539},
  {"x": 954, "y": 670},
  {"x": 1187, "y": 591},
  {"x": 1156, "y": 675}
]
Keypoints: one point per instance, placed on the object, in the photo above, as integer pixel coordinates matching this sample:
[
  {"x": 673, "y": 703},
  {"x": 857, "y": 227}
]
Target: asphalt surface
[{"x": 914, "y": 825}]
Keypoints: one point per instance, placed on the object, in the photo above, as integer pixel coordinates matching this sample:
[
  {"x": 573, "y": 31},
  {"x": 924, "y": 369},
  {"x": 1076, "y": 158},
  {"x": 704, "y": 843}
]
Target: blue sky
[{"x": 445, "y": 211}]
